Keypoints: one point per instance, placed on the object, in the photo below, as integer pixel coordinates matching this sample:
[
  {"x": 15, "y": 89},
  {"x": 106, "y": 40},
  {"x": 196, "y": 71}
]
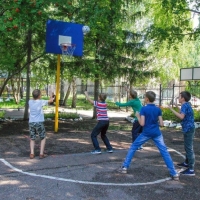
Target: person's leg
[
  {"x": 188, "y": 145},
  {"x": 42, "y": 145},
  {"x": 94, "y": 134},
  {"x": 32, "y": 131},
  {"x": 141, "y": 139},
  {"x": 105, "y": 125},
  {"x": 136, "y": 130},
  {"x": 159, "y": 142},
  {"x": 32, "y": 146},
  {"x": 42, "y": 133}
]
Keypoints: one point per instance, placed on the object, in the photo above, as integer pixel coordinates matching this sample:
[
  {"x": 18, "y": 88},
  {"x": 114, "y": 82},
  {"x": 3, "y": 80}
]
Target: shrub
[
  {"x": 62, "y": 115},
  {"x": 2, "y": 114}
]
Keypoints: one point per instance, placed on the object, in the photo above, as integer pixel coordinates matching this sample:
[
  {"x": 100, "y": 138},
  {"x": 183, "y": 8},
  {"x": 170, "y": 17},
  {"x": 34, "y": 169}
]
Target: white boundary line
[{"x": 87, "y": 182}]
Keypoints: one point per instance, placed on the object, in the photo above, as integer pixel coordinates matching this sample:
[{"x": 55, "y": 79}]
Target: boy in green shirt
[{"x": 136, "y": 105}]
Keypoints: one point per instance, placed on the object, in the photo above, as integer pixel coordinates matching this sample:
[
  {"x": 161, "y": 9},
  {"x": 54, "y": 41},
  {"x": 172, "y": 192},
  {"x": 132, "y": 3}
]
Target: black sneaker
[
  {"x": 175, "y": 177},
  {"x": 182, "y": 165},
  {"x": 188, "y": 172}
]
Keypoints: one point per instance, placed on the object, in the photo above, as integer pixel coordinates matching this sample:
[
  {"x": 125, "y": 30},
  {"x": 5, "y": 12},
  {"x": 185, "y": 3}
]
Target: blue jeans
[
  {"x": 159, "y": 142},
  {"x": 101, "y": 127},
  {"x": 188, "y": 145}
]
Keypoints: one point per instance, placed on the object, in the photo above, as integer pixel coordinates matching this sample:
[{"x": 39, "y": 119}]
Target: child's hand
[
  {"x": 169, "y": 106},
  {"x": 137, "y": 114},
  {"x": 86, "y": 93}
]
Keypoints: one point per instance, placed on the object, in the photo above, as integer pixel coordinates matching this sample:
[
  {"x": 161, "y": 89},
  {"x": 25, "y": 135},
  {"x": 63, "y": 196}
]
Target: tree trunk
[
  {"x": 74, "y": 93},
  {"x": 96, "y": 94},
  {"x": 28, "y": 73},
  {"x": 62, "y": 83},
  {"x": 67, "y": 95}
]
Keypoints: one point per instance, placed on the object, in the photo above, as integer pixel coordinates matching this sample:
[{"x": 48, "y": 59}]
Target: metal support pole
[{"x": 57, "y": 93}]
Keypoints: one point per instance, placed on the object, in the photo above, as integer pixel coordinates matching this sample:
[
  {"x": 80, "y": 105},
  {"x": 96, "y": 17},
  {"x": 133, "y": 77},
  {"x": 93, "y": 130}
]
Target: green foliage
[
  {"x": 62, "y": 115},
  {"x": 2, "y": 114},
  {"x": 197, "y": 115},
  {"x": 168, "y": 115},
  {"x": 12, "y": 104}
]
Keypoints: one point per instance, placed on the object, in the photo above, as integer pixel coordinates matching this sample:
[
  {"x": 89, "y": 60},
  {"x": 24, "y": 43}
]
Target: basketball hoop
[{"x": 67, "y": 50}]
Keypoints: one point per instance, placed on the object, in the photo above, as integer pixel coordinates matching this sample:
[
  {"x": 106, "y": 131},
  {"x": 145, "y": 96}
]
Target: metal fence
[{"x": 164, "y": 95}]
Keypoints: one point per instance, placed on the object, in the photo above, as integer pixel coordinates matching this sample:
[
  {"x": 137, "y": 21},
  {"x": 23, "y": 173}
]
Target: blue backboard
[{"x": 58, "y": 32}]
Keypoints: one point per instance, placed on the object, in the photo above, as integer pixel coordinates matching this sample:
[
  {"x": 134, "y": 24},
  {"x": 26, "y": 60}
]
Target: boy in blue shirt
[
  {"x": 148, "y": 118},
  {"x": 186, "y": 114}
]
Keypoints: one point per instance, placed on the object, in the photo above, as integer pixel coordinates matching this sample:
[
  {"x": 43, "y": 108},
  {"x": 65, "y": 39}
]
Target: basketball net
[{"x": 67, "y": 51}]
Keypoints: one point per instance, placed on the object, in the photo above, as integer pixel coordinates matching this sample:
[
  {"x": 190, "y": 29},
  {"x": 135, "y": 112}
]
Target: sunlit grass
[
  {"x": 2, "y": 114},
  {"x": 81, "y": 104},
  {"x": 119, "y": 127},
  {"x": 62, "y": 115}
]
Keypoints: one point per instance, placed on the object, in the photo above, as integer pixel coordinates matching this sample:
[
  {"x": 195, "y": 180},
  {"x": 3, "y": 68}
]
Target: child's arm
[
  {"x": 160, "y": 119},
  {"x": 141, "y": 119},
  {"x": 179, "y": 115},
  {"x": 88, "y": 98}
]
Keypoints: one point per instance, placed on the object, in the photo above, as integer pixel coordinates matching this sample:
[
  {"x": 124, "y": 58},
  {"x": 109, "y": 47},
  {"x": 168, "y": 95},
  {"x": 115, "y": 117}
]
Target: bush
[
  {"x": 62, "y": 115},
  {"x": 2, "y": 114},
  {"x": 168, "y": 115}
]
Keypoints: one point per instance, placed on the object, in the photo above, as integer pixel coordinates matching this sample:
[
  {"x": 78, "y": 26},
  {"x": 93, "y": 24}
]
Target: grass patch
[
  {"x": 62, "y": 115},
  {"x": 81, "y": 104},
  {"x": 2, "y": 114},
  {"x": 120, "y": 127}
]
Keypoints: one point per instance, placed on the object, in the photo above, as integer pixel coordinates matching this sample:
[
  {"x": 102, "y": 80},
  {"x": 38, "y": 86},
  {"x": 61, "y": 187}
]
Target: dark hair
[
  {"x": 102, "y": 96},
  {"x": 151, "y": 96},
  {"x": 186, "y": 95},
  {"x": 36, "y": 93},
  {"x": 133, "y": 93}
]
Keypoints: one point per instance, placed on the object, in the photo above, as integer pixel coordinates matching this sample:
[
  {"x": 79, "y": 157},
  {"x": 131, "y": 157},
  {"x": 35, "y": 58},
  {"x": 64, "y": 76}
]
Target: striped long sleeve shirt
[{"x": 101, "y": 108}]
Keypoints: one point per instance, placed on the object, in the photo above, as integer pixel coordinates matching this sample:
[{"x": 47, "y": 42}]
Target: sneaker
[
  {"x": 182, "y": 164},
  {"x": 96, "y": 152},
  {"x": 122, "y": 170},
  {"x": 175, "y": 177},
  {"x": 109, "y": 150},
  {"x": 188, "y": 172}
]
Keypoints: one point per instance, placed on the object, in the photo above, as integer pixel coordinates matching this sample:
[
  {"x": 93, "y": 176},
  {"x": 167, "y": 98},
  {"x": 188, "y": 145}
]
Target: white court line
[{"x": 87, "y": 182}]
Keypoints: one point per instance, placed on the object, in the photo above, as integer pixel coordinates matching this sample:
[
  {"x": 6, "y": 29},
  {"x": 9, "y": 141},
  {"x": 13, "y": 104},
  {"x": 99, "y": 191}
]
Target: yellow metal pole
[{"x": 57, "y": 93}]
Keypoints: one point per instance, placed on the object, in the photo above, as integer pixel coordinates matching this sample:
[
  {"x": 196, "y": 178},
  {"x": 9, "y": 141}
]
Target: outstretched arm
[
  {"x": 179, "y": 115},
  {"x": 50, "y": 100},
  {"x": 88, "y": 98}
]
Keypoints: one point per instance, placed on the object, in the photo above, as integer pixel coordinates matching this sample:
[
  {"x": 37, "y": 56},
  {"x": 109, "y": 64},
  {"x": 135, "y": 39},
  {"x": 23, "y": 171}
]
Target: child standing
[
  {"x": 148, "y": 118},
  {"x": 186, "y": 114},
  {"x": 136, "y": 105},
  {"x": 36, "y": 119},
  {"x": 102, "y": 125}
]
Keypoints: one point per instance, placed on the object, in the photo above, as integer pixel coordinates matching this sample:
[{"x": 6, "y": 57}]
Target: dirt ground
[{"x": 74, "y": 137}]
